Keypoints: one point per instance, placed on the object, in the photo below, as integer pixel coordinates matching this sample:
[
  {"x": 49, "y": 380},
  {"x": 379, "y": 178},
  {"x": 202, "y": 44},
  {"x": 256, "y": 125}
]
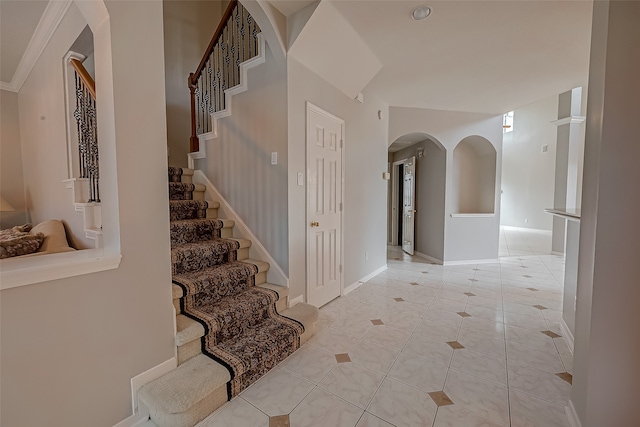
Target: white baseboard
[
  {"x": 572, "y": 415},
  {"x": 296, "y": 300},
  {"x": 149, "y": 375},
  {"x": 557, "y": 253},
  {"x": 366, "y": 278},
  {"x": 141, "y": 414},
  {"x": 525, "y": 229},
  {"x": 473, "y": 261},
  {"x": 427, "y": 257},
  {"x": 257, "y": 251},
  {"x": 566, "y": 334}
]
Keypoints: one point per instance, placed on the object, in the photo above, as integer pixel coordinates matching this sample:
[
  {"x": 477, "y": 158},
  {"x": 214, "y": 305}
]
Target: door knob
[{"x": 315, "y": 224}]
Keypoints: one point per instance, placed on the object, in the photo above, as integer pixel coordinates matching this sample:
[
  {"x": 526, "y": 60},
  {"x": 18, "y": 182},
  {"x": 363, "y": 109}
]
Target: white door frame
[
  {"x": 311, "y": 107},
  {"x": 395, "y": 200}
]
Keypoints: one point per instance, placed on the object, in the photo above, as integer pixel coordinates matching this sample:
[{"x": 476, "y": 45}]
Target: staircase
[{"x": 229, "y": 332}]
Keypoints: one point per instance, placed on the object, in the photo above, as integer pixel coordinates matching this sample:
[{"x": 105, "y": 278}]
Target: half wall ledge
[
  {"x": 15, "y": 272},
  {"x": 473, "y": 215}
]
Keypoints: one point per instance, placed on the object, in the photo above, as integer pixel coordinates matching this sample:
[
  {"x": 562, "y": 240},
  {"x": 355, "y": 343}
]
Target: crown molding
[{"x": 49, "y": 21}]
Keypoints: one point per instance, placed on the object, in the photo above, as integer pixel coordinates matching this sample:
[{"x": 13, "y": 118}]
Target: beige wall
[
  {"x": 188, "y": 28},
  {"x": 70, "y": 347},
  {"x": 238, "y": 161},
  {"x": 365, "y": 196},
  {"x": 11, "y": 181},
  {"x": 606, "y": 381},
  {"x": 528, "y": 173}
]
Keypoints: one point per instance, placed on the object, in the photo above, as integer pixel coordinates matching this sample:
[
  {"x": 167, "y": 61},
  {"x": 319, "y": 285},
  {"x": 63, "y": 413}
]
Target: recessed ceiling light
[{"x": 420, "y": 12}]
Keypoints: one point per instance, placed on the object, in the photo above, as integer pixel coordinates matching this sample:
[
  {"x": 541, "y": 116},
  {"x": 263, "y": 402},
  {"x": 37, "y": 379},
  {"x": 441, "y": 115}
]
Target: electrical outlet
[
  {"x": 526, "y": 220},
  {"x": 300, "y": 179},
  {"x": 366, "y": 256}
]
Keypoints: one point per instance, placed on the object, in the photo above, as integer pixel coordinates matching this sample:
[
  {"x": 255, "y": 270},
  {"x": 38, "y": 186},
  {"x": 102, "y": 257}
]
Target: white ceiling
[
  {"x": 18, "y": 21},
  {"x": 474, "y": 55}
]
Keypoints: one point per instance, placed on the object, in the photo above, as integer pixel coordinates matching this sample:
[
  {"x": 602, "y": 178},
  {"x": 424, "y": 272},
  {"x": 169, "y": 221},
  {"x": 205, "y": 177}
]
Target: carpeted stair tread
[
  {"x": 283, "y": 292},
  {"x": 181, "y": 191},
  {"x": 180, "y": 174},
  {"x": 183, "y": 387},
  {"x": 216, "y": 282},
  {"x": 262, "y": 265},
  {"x": 232, "y": 316},
  {"x": 195, "y": 230},
  {"x": 198, "y": 255},
  {"x": 259, "y": 349},
  {"x": 187, "y": 209}
]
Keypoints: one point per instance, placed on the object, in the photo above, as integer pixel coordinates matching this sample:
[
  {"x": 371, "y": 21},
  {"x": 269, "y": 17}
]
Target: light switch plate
[
  {"x": 274, "y": 158},
  {"x": 300, "y": 179}
]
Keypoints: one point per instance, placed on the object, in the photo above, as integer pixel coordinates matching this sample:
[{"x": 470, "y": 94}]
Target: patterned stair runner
[{"x": 243, "y": 330}]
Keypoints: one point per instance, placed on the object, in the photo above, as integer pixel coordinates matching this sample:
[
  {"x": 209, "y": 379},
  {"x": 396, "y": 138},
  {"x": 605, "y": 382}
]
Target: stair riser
[
  {"x": 176, "y": 305},
  {"x": 242, "y": 254},
  {"x": 189, "y": 350},
  {"x": 226, "y": 232},
  {"x": 195, "y": 414},
  {"x": 261, "y": 278},
  {"x": 211, "y": 212},
  {"x": 199, "y": 195}
]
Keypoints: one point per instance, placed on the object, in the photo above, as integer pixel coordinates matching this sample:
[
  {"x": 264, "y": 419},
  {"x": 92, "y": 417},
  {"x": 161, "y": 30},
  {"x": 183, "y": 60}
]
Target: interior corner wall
[
  {"x": 466, "y": 238},
  {"x": 238, "y": 161},
  {"x": 11, "y": 180},
  {"x": 71, "y": 346},
  {"x": 606, "y": 380},
  {"x": 430, "y": 175},
  {"x": 188, "y": 28},
  {"x": 365, "y": 195},
  {"x": 528, "y": 173}
]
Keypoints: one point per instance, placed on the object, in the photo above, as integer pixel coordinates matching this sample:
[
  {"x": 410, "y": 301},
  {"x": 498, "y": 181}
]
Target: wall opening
[{"x": 474, "y": 176}]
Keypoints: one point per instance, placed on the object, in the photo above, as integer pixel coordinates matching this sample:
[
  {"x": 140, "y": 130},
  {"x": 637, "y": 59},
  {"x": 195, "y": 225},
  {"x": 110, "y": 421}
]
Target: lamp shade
[{"x": 4, "y": 206}]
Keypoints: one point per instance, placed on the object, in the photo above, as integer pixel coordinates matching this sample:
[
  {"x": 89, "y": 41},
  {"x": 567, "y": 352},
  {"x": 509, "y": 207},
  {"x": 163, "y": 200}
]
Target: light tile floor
[{"x": 426, "y": 345}]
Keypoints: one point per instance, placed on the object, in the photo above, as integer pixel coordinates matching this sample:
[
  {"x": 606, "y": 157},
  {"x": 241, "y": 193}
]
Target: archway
[
  {"x": 429, "y": 169},
  {"x": 474, "y": 176}
]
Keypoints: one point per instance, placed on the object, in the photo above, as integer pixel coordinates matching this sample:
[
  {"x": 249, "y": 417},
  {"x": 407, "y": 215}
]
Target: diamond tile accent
[
  {"x": 279, "y": 421},
  {"x": 473, "y": 280},
  {"x": 425, "y": 272},
  {"x": 399, "y": 299},
  {"x": 343, "y": 358},
  {"x": 523, "y": 266},
  {"x": 414, "y": 284},
  {"x": 476, "y": 269},
  {"x": 470, "y": 294},
  {"x": 440, "y": 398},
  {"x": 533, "y": 289},
  {"x": 565, "y": 376},
  {"x": 540, "y": 307},
  {"x": 527, "y": 276},
  {"x": 463, "y": 314},
  {"x": 455, "y": 345},
  {"x": 377, "y": 322},
  {"x": 551, "y": 334}
]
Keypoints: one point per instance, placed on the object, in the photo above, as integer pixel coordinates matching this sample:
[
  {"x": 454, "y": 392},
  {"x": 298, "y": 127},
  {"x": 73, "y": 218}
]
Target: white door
[
  {"x": 408, "y": 205},
  {"x": 324, "y": 205}
]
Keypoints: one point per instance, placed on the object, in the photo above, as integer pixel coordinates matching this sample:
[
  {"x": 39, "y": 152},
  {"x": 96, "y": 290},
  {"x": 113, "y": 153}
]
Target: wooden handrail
[
  {"x": 84, "y": 75},
  {"x": 193, "y": 78}
]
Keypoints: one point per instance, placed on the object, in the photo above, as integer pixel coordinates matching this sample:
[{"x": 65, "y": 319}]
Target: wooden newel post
[{"x": 194, "y": 144}]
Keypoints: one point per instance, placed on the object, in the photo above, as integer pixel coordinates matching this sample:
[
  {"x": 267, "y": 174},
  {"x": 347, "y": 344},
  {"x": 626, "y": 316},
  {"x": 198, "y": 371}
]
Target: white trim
[
  {"x": 473, "y": 261},
  {"x": 69, "y": 97},
  {"x": 22, "y": 271},
  {"x": 427, "y": 257},
  {"x": 557, "y": 253},
  {"x": 275, "y": 274},
  {"x": 135, "y": 420},
  {"x": 569, "y": 120},
  {"x": 297, "y": 300},
  {"x": 566, "y": 334},
  {"x": 473, "y": 215},
  {"x": 572, "y": 415},
  {"x": 48, "y": 24},
  {"x": 394, "y": 201},
  {"x": 361, "y": 282},
  {"x": 260, "y": 58}
]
